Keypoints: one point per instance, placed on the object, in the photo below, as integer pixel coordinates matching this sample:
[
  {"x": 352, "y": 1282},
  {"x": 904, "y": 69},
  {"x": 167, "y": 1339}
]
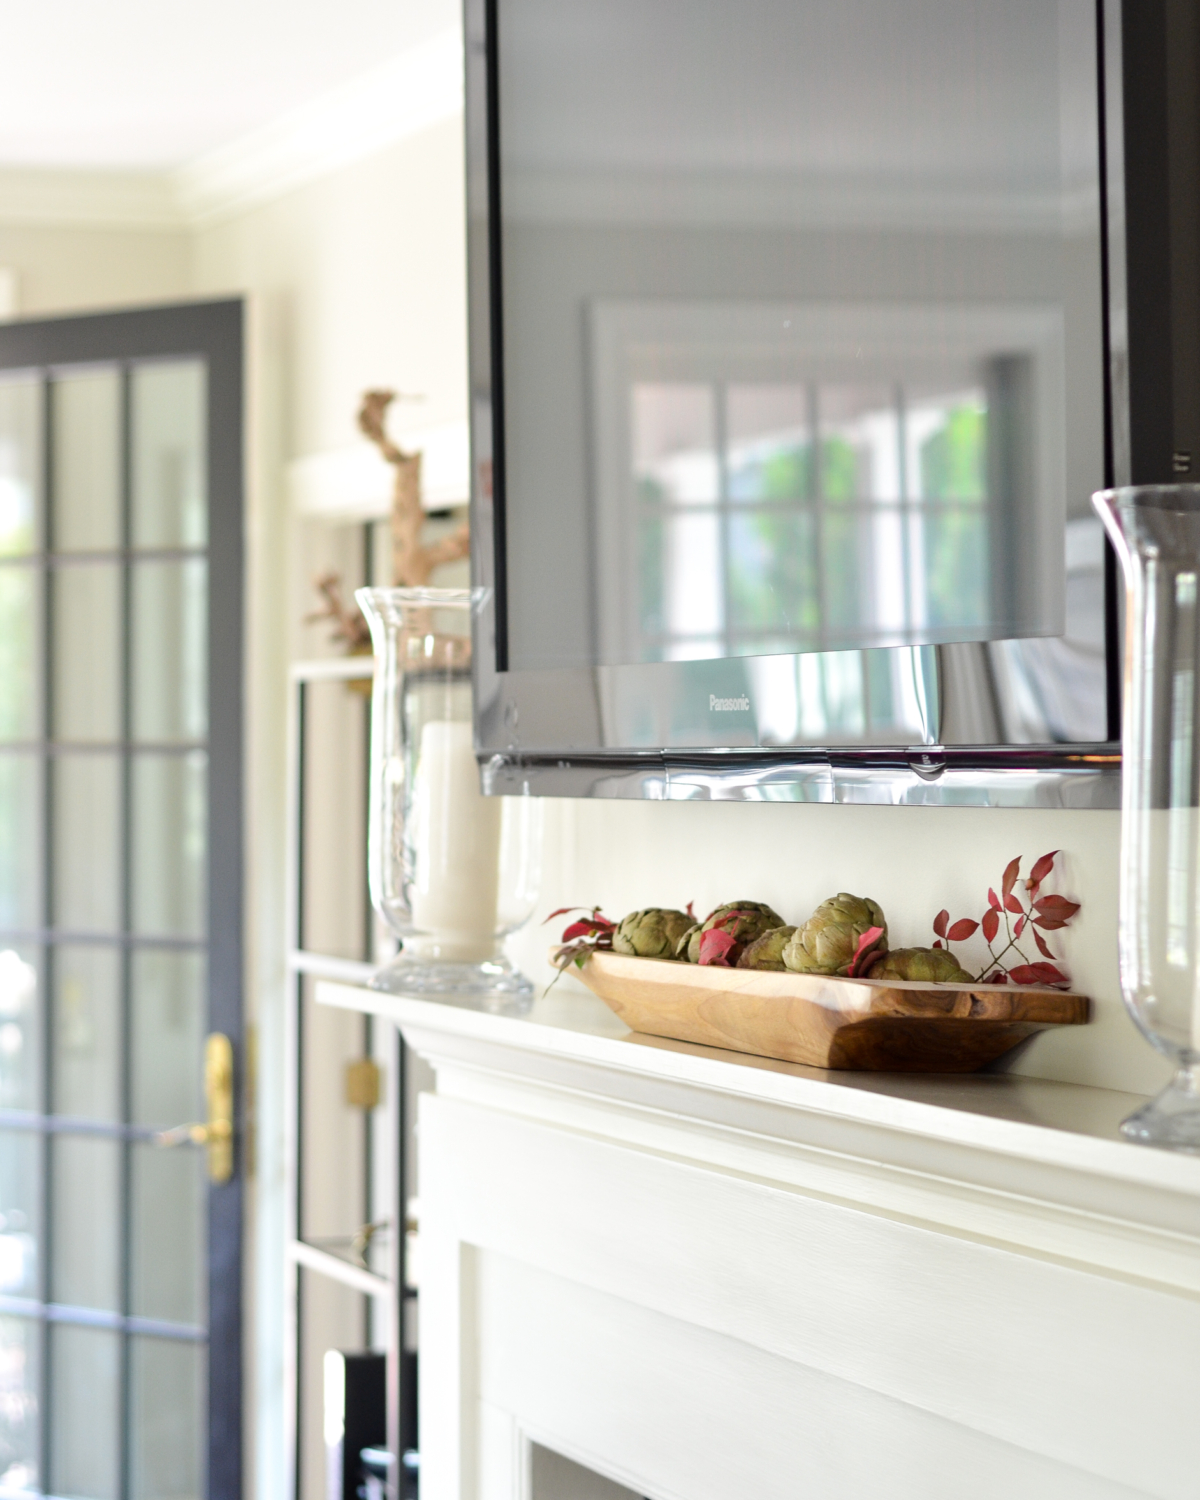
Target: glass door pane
[
  {"x": 85, "y": 464},
  {"x": 20, "y": 628},
  {"x": 85, "y": 626},
  {"x": 20, "y": 1381},
  {"x": 85, "y": 1413},
  {"x": 169, "y": 403}
]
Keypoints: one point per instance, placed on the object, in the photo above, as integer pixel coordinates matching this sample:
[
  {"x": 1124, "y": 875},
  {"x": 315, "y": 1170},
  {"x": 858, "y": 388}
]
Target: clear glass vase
[
  {"x": 1156, "y": 532},
  {"x": 451, "y": 871}
]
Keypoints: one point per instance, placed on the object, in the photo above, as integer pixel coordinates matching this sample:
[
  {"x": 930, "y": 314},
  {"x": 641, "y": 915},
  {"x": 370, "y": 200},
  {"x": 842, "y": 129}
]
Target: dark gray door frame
[{"x": 213, "y": 332}]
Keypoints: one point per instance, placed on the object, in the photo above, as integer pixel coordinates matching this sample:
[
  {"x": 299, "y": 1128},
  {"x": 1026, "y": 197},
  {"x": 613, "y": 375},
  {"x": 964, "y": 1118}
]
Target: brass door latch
[
  {"x": 363, "y": 1084},
  {"x": 217, "y": 1131}
]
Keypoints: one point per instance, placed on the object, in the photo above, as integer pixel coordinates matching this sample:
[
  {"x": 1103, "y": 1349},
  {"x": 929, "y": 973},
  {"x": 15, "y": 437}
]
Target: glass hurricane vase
[
  {"x": 451, "y": 871},
  {"x": 1156, "y": 533}
]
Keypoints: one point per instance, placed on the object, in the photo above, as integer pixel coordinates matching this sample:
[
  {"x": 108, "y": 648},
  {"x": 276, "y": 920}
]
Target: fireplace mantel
[{"x": 706, "y": 1275}]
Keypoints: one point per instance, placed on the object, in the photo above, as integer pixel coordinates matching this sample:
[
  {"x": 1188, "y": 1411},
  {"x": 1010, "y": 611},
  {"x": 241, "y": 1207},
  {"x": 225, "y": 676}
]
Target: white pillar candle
[{"x": 456, "y": 838}]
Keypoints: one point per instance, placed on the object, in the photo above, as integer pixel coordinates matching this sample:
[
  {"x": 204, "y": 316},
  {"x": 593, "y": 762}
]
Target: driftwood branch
[
  {"x": 412, "y": 561},
  {"x": 349, "y": 624}
]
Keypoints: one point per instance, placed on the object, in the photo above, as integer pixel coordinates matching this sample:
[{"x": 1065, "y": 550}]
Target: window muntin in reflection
[
  {"x": 890, "y": 480},
  {"x": 776, "y": 518}
]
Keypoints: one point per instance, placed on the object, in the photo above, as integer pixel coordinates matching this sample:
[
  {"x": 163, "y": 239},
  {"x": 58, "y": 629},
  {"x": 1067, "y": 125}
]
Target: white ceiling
[{"x": 153, "y": 84}]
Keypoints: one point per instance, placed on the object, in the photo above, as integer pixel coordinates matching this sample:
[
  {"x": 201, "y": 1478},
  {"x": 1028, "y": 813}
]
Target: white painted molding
[
  {"x": 972, "y": 1155},
  {"x": 10, "y": 287},
  {"x": 702, "y": 1275},
  {"x": 408, "y": 93},
  {"x": 401, "y": 97},
  {"x": 102, "y": 199},
  {"x": 355, "y": 483},
  {"x": 341, "y": 484},
  {"x": 795, "y": 200}
]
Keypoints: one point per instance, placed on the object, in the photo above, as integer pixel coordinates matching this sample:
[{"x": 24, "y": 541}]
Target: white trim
[
  {"x": 418, "y": 88},
  {"x": 1026, "y": 1161},
  {"x": 103, "y": 199},
  {"x": 357, "y": 483},
  {"x": 333, "y": 668},
  {"x": 325, "y": 1264},
  {"x": 795, "y": 199},
  {"x": 341, "y": 970},
  {"x": 702, "y": 1274},
  {"x": 410, "y": 92},
  {"x": 10, "y": 297}
]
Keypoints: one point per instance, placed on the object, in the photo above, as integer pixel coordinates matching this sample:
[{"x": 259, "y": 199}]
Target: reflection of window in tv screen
[{"x": 793, "y": 296}]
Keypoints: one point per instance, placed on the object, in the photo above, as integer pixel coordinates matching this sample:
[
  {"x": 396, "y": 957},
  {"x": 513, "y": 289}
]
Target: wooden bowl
[{"x": 875, "y": 1025}]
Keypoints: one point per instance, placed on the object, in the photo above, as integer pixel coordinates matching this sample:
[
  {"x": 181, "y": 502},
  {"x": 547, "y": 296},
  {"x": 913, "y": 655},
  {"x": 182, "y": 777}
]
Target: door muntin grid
[{"x": 103, "y": 938}]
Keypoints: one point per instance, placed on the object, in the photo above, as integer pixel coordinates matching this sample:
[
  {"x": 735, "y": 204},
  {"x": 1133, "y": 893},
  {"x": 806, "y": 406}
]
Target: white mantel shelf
[
  {"x": 984, "y": 1254},
  {"x": 572, "y": 1039}
]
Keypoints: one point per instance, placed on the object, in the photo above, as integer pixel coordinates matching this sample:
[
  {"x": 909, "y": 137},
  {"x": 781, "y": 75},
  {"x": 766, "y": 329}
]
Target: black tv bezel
[{"x": 1148, "y": 90}]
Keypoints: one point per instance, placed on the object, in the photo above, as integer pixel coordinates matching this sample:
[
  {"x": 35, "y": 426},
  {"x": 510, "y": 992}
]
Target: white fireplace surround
[{"x": 707, "y": 1276}]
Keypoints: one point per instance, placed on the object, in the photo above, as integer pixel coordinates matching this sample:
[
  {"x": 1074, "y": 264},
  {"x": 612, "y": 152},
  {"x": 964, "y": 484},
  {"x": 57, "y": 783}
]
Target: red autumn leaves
[
  {"x": 582, "y": 936},
  {"x": 594, "y": 926},
  {"x": 1020, "y": 918},
  {"x": 719, "y": 943},
  {"x": 868, "y": 949}
]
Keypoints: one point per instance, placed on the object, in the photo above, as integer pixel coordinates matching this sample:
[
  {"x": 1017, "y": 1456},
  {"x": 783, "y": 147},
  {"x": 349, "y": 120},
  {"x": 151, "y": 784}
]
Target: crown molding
[
  {"x": 797, "y": 200},
  {"x": 401, "y": 97},
  {"x": 102, "y": 199}
]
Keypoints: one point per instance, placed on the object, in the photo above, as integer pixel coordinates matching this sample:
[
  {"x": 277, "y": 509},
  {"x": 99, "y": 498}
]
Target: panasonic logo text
[{"x": 727, "y": 705}]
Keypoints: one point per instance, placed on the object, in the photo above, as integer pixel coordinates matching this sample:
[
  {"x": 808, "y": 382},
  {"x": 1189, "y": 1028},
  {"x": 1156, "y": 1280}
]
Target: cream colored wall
[
  {"x": 356, "y": 280},
  {"x": 359, "y": 278},
  {"x": 77, "y": 268},
  {"x": 369, "y": 263}
]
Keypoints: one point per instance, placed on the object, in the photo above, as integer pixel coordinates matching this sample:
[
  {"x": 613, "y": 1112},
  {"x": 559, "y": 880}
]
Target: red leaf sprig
[
  {"x": 720, "y": 944},
  {"x": 1021, "y": 915},
  {"x": 581, "y": 937},
  {"x": 868, "y": 947}
]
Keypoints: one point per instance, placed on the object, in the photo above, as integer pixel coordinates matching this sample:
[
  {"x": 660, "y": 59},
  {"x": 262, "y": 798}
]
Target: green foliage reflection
[{"x": 953, "y": 468}]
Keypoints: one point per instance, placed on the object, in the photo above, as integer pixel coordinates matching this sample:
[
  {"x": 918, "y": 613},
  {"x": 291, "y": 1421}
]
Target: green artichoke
[
  {"x": 931, "y": 965},
  {"x": 653, "y": 932},
  {"x": 828, "y": 942},
  {"x": 742, "y": 920},
  {"x": 766, "y": 952},
  {"x": 683, "y": 945}
]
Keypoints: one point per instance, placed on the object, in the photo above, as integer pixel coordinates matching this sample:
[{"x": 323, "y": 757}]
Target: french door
[{"x": 120, "y": 904}]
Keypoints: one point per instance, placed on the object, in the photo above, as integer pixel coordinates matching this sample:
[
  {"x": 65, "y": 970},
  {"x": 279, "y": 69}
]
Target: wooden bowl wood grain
[{"x": 893, "y": 1026}]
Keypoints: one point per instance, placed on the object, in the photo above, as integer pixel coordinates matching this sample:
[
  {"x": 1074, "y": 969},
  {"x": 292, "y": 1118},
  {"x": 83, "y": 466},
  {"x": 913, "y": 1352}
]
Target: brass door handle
[{"x": 217, "y": 1131}]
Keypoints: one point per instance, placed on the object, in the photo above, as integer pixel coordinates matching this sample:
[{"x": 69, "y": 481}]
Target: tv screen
[{"x": 802, "y": 331}]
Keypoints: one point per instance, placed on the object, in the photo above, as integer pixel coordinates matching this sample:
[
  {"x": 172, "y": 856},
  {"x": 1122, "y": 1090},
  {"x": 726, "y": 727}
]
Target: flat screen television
[{"x": 801, "y": 333}]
